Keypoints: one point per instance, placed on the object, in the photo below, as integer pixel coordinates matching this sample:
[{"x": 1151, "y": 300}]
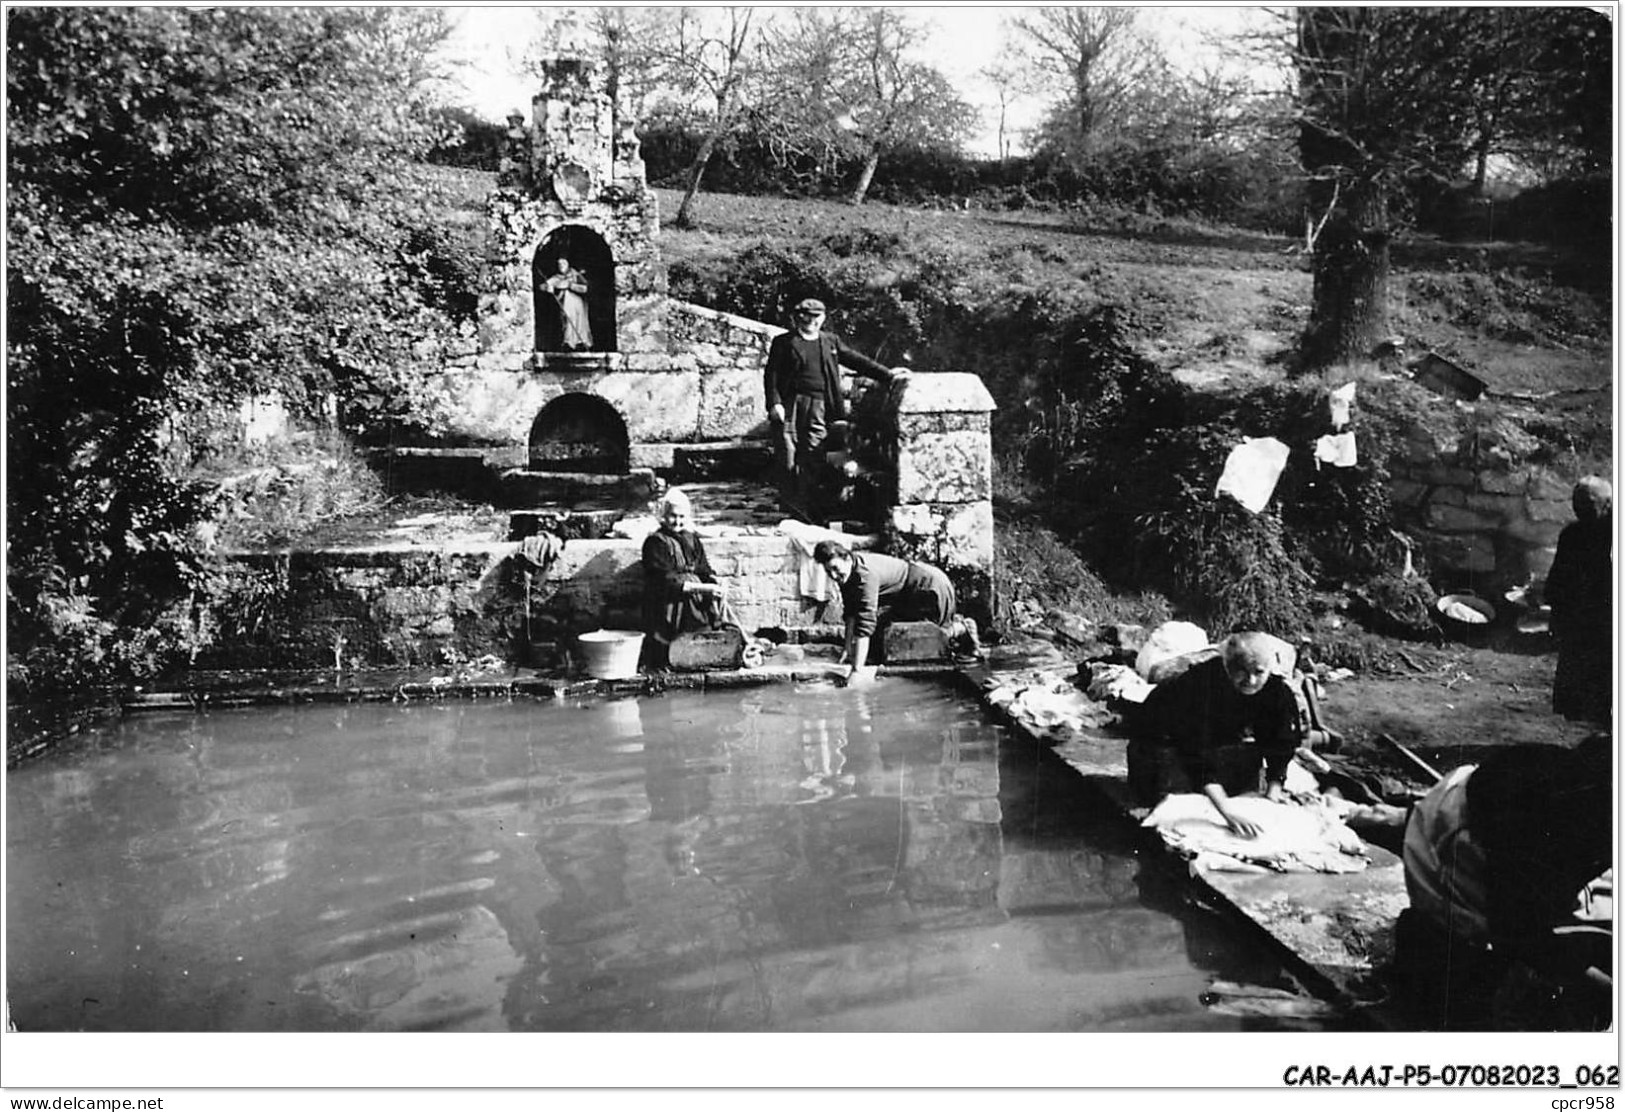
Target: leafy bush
[
  {"x": 1236, "y": 567},
  {"x": 1569, "y": 210},
  {"x": 206, "y": 205},
  {"x": 1034, "y": 566},
  {"x": 1100, "y": 397}
]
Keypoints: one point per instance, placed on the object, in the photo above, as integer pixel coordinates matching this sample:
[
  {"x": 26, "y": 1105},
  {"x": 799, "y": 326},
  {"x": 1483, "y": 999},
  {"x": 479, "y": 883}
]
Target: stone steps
[{"x": 526, "y": 489}]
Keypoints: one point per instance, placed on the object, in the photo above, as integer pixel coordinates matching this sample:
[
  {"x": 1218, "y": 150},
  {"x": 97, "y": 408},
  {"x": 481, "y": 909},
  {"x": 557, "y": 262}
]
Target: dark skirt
[
  {"x": 930, "y": 597},
  {"x": 1583, "y": 688}
]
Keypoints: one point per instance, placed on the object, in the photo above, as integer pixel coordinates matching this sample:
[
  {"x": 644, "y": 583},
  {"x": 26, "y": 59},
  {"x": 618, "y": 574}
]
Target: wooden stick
[{"x": 1417, "y": 762}]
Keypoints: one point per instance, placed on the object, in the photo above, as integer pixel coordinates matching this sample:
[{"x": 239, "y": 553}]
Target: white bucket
[{"x": 610, "y": 654}]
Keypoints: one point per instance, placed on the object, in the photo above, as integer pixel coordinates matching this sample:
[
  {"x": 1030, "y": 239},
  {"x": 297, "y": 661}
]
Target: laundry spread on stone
[
  {"x": 1295, "y": 837},
  {"x": 1116, "y": 681},
  {"x": 1058, "y": 712},
  {"x": 1049, "y": 705}
]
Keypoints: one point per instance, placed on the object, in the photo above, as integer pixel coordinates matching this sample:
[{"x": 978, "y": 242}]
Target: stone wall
[
  {"x": 938, "y": 448},
  {"x": 381, "y": 607},
  {"x": 705, "y": 387},
  {"x": 599, "y": 584},
  {"x": 394, "y": 607},
  {"x": 730, "y": 352},
  {"x": 1484, "y": 499}
]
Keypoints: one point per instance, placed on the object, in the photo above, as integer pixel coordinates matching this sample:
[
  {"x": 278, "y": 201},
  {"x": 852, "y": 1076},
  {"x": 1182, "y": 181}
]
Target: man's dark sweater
[{"x": 798, "y": 365}]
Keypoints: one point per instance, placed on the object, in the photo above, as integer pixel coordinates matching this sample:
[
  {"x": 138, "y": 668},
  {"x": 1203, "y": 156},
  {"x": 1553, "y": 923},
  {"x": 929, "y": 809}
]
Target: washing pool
[{"x": 775, "y": 858}]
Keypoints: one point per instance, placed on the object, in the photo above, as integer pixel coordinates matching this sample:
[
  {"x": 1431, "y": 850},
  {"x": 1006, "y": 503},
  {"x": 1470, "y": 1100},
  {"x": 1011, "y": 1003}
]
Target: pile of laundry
[
  {"x": 1049, "y": 706},
  {"x": 1116, "y": 681},
  {"x": 1303, "y": 836}
]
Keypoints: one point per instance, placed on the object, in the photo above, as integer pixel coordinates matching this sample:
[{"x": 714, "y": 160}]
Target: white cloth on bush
[
  {"x": 1251, "y": 471},
  {"x": 1337, "y": 449},
  {"x": 1340, "y": 403}
]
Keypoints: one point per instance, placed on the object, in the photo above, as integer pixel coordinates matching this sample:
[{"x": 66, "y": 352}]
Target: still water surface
[{"x": 774, "y": 858}]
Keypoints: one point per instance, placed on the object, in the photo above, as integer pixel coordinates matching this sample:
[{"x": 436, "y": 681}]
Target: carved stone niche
[{"x": 588, "y": 256}]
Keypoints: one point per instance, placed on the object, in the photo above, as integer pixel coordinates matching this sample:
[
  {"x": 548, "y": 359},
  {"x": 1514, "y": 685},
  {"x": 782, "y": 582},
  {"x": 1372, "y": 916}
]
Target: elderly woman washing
[{"x": 1214, "y": 727}]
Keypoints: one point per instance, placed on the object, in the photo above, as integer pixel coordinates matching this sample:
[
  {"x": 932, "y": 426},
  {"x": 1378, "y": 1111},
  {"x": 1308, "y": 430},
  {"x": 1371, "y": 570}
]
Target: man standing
[{"x": 804, "y": 392}]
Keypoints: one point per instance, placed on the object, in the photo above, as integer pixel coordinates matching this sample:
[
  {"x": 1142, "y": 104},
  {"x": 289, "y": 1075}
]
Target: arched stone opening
[
  {"x": 575, "y": 301},
  {"x": 580, "y": 432}
]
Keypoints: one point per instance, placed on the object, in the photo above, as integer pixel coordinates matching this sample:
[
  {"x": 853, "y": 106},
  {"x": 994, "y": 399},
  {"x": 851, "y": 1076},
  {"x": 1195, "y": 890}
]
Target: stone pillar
[{"x": 941, "y": 497}]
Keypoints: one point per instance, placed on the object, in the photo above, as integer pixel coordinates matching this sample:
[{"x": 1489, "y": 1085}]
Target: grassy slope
[
  {"x": 1215, "y": 304},
  {"x": 1218, "y": 303}
]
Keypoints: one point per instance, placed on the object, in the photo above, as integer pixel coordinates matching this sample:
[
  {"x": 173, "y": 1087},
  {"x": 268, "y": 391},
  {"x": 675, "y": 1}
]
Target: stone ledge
[
  {"x": 743, "y": 324},
  {"x": 944, "y": 392},
  {"x": 517, "y": 682}
]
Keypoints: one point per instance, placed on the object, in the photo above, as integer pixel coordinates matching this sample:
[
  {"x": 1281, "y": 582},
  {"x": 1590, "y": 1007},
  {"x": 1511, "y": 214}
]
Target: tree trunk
[
  {"x": 696, "y": 171},
  {"x": 1349, "y": 313},
  {"x": 861, "y": 190}
]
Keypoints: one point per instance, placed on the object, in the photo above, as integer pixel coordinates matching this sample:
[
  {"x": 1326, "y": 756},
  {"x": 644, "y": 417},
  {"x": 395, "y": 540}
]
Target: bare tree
[
  {"x": 1101, "y": 57},
  {"x": 844, "y": 81},
  {"x": 795, "y": 94},
  {"x": 1388, "y": 97},
  {"x": 1013, "y": 81},
  {"x": 417, "y": 37},
  {"x": 1384, "y": 94},
  {"x": 711, "y": 58}
]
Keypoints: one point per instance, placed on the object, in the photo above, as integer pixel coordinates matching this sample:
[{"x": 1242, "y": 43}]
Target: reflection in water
[{"x": 770, "y": 859}]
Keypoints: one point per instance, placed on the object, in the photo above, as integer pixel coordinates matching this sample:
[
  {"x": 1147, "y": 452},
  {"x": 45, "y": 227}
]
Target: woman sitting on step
[{"x": 680, "y": 590}]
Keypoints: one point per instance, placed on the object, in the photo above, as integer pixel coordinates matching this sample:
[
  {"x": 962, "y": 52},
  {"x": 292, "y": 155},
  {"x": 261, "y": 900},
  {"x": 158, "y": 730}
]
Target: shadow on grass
[
  {"x": 1165, "y": 234},
  {"x": 1586, "y": 267}
]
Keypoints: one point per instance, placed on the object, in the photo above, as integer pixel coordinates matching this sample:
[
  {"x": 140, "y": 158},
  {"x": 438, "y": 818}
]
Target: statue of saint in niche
[{"x": 569, "y": 290}]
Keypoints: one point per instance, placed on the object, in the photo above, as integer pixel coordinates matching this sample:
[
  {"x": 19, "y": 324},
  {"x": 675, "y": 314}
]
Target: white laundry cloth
[
  {"x": 1116, "y": 681},
  {"x": 1253, "y": 468},
  {"x": 1337, "y": 449},
  {"x": 1295, "y": 837},
  {"x": 812, "y": 580},
  {"x": 1340, "y": 403},
  {"x": 1057, "y": 712},
  {"x": 1167, "y": 641}
]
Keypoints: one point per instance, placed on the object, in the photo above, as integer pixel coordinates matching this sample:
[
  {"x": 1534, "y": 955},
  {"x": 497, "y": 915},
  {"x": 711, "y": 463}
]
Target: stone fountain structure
[
  {"x": 662, "y": 385},
  {"x": 572, "y": 438}
]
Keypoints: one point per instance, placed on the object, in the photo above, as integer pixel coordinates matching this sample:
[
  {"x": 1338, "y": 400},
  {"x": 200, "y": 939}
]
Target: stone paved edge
[{"x": 386, "y": 687}]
